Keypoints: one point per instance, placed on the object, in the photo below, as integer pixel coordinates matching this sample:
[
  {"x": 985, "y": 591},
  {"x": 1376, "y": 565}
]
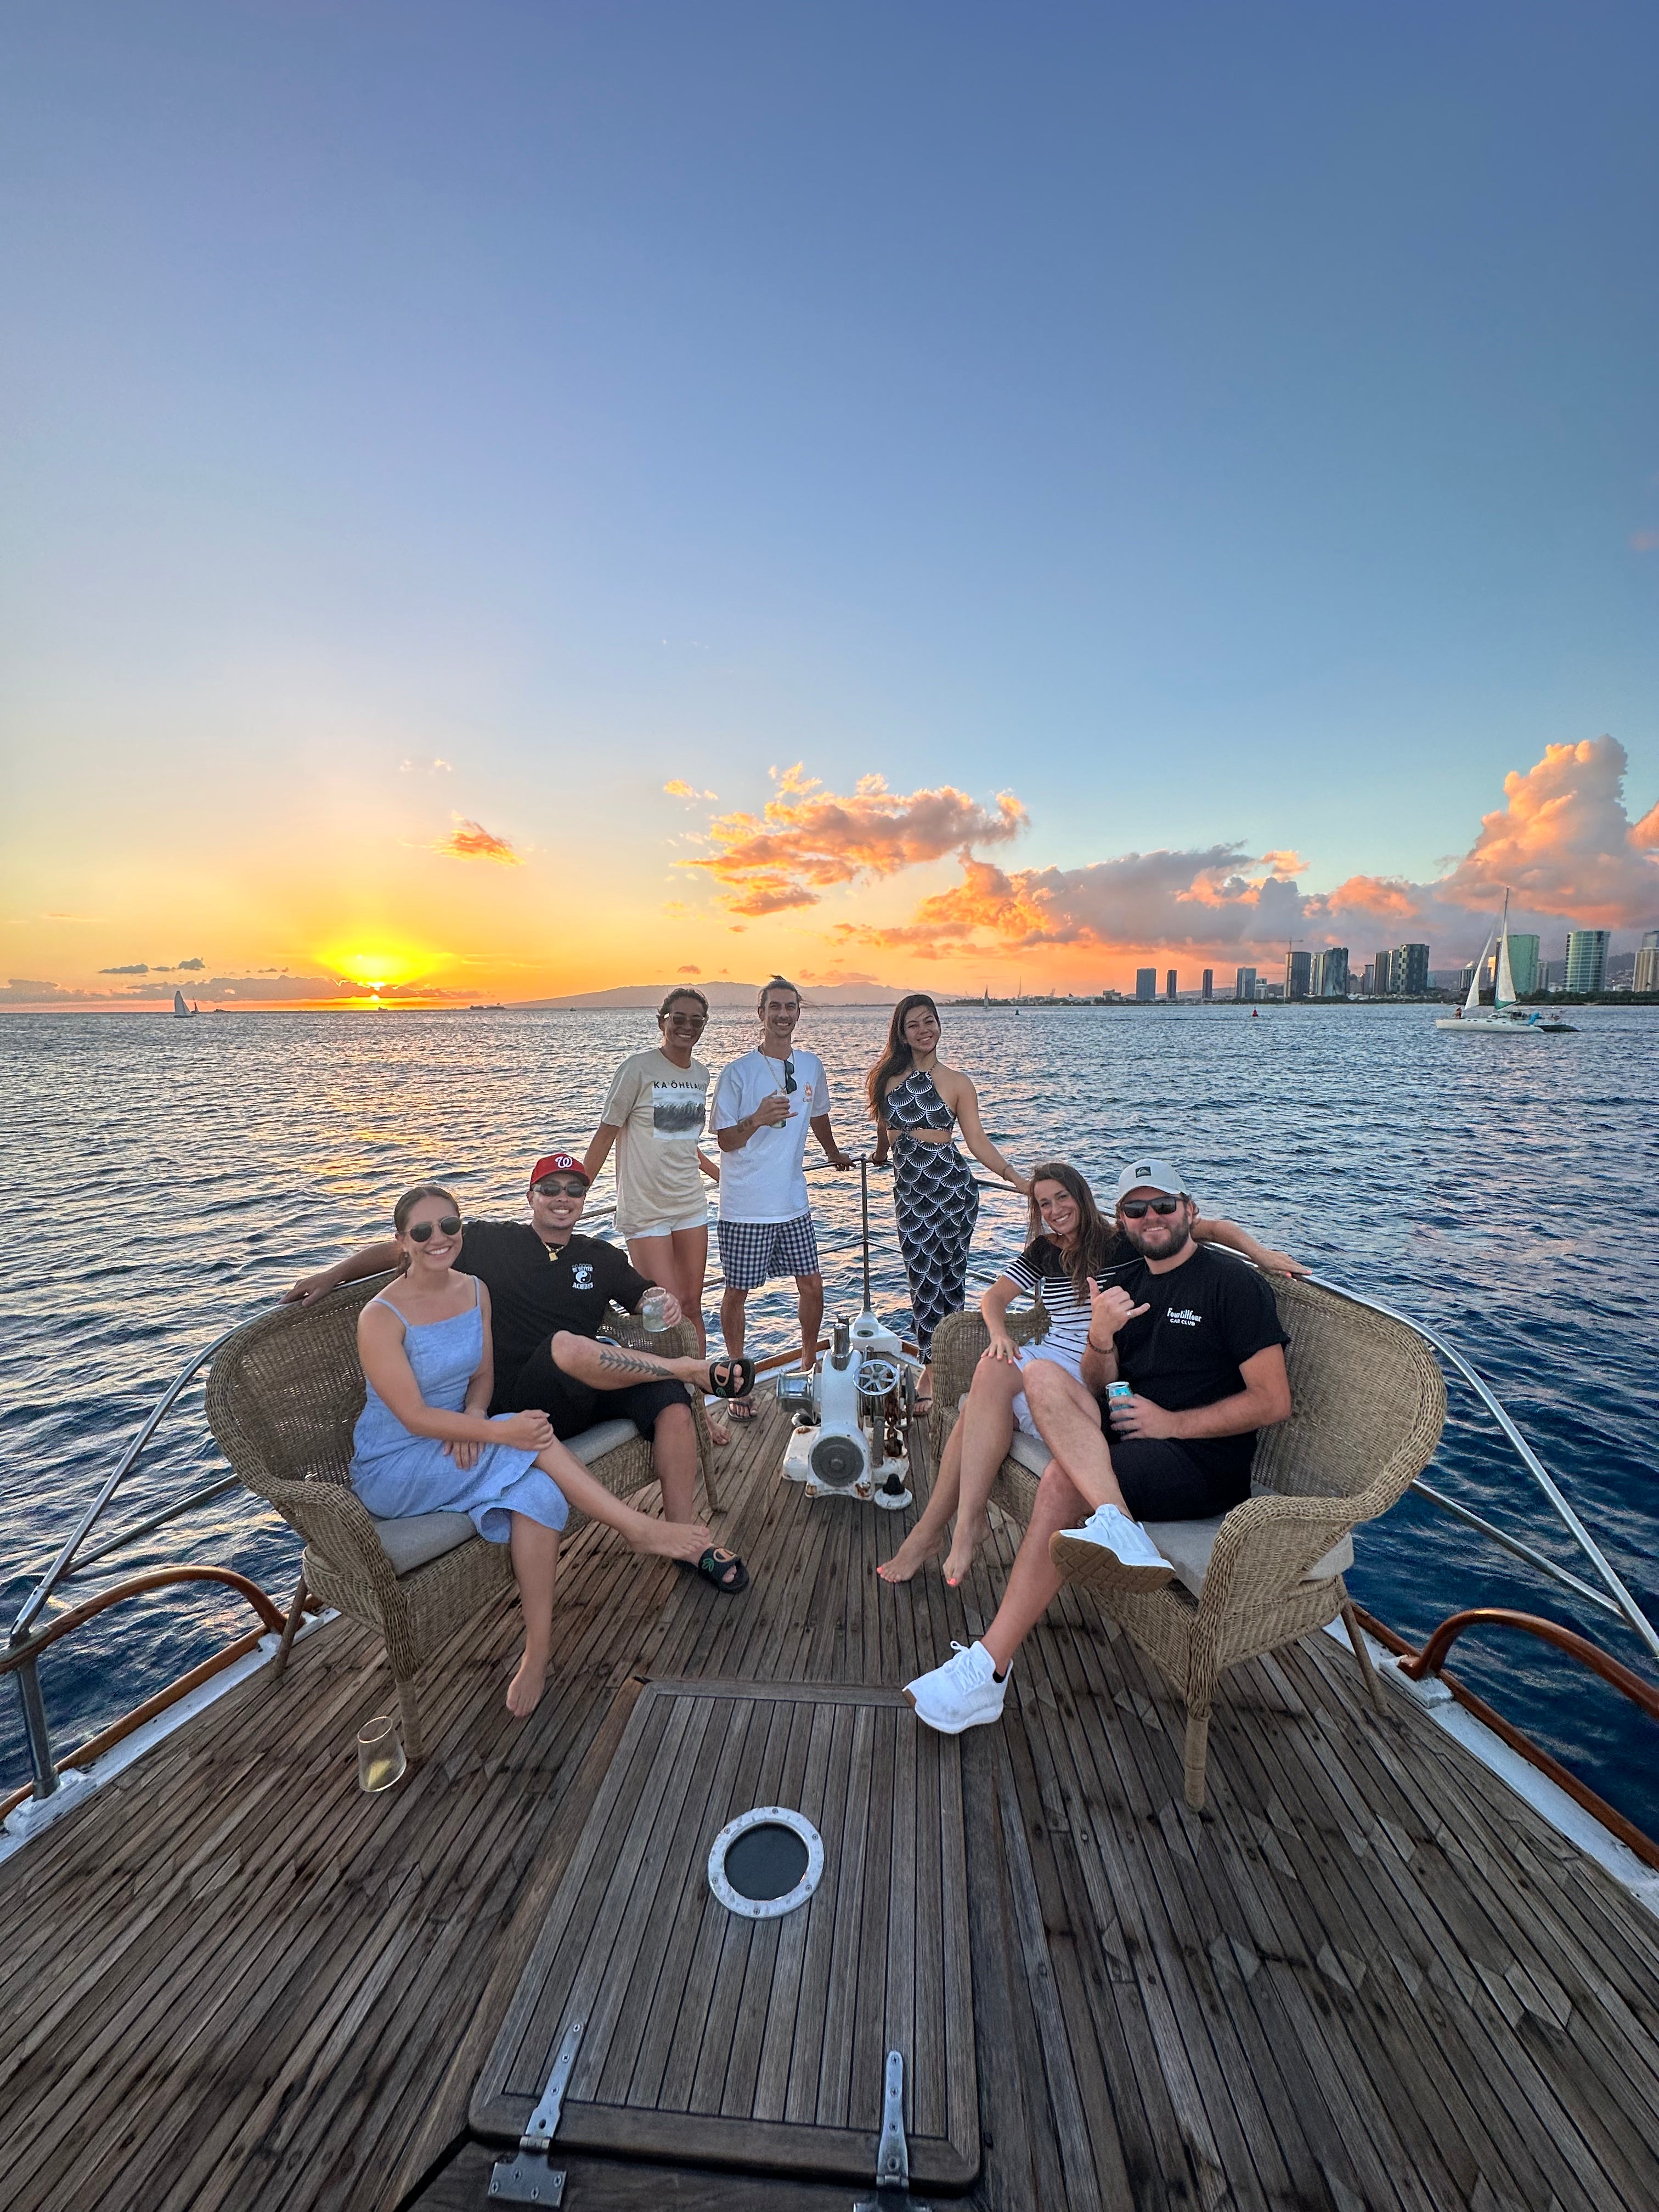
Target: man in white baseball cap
[{"x": 1196, "y": 1337}]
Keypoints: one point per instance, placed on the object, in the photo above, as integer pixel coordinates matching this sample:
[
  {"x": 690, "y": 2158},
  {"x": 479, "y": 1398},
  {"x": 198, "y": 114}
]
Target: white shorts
[
  {"x": 1029, "y": 1352},
  {"x": 697, "y": 1220}
]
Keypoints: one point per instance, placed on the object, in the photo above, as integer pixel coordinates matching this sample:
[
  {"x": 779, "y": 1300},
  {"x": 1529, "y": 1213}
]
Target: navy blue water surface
[{"x": 171, "y": 1178}]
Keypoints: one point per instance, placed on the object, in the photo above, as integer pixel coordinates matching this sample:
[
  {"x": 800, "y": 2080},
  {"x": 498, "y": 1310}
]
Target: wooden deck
[{"x": 1365, "y": 1975}]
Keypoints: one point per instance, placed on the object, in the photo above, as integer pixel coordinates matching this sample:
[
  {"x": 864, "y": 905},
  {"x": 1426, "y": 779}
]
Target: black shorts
[
  {"x": 539, "y": 1385},
  {"x": 1162, "y": 1481}
]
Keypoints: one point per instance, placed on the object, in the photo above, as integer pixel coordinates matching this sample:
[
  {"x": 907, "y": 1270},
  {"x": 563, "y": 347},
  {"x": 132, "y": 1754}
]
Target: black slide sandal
[
  {"x": 737, "y": 1381},
  {"x": 719, "y": 1572}
]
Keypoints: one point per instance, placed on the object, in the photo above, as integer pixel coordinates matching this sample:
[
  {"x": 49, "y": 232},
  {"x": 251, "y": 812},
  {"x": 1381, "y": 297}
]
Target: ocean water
[{"x": 170, "y": 1179}]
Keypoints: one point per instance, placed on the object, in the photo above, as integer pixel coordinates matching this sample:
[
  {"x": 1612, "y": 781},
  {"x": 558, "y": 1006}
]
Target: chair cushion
[
  {"x": 1188, "y": 1545},
  {"x": 417, "y": 1539},
  {"x": 1031, "y": 1452},
  {"x": 603, "y": 1437}
]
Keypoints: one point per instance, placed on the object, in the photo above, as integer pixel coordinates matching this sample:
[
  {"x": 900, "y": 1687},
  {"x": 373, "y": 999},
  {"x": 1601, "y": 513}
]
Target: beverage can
[{"x": 1117, "y": 1394}]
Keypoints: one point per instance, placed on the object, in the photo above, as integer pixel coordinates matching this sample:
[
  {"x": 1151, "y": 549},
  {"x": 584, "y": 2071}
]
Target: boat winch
[{"x": 853, "y": 1411}]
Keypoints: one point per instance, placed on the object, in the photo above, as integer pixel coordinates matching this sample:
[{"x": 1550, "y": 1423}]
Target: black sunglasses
[
  {"x": 422, "y": 1230},
  {"x": 688, "y": 1021},
  {"x": 789, "y": 1072},
  {"x": 1133, "y": 1208},
  {"x": 550, "y": 1187}
]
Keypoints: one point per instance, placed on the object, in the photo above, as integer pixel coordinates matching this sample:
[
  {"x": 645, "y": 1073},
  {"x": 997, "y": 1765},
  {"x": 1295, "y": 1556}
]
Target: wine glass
[{"x": 381, "y": 1760}]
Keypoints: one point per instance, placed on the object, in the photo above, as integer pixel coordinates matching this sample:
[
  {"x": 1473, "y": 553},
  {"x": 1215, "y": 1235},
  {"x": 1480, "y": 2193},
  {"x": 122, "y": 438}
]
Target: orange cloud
[
  {"x": 1563, "y": 844},
  {"x": 471, "y": 841},
  {"x": 680, "y": 789},
  {"x": 807, "y": 839}
]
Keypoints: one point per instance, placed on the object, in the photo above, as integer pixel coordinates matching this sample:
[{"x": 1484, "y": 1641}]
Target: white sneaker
[
  {"x": 1111, "y": 1550},
  {"x": 963, "y": 1694}
]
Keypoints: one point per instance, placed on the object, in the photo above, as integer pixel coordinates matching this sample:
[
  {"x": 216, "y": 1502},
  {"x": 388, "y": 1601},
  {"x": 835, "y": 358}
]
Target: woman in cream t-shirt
[{"x": 653, "y": 1113}]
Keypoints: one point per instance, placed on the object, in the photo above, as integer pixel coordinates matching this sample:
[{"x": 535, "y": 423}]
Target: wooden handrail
[
  {"x": 30, "y": 1646},
  {"x": 1430, "y": 1660},
  {"x": 1614, "y": 1821}
]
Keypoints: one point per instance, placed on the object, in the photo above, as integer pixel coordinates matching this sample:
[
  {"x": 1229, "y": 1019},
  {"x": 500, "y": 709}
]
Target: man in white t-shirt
[{"x": 764, "y": 1103}]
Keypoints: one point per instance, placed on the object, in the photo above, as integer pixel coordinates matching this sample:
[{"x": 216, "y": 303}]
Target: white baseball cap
[{"x": 1152, "y": 1174}]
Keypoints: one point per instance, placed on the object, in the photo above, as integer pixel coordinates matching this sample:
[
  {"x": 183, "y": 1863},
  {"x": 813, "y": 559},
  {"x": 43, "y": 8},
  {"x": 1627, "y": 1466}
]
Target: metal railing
[{"x": 25, "y": 1640}]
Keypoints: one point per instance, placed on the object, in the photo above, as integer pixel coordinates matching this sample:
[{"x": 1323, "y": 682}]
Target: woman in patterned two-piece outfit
[{"x": 917, "y": 1102}]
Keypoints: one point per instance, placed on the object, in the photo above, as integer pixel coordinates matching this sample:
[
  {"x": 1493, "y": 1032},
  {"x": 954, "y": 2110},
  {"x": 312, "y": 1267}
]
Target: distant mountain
[{"x": 717, "y": 993}]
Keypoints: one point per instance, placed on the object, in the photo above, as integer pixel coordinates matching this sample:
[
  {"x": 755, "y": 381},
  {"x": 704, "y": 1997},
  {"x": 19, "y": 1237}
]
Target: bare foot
[
  {"x": 671, "y": 1540},
  {"x": 960, "y": 1557},
  {"x": 911, "y": 1557},
  {"x": 524, "y": 1692},
  {"x": 719, "y": 1432}
]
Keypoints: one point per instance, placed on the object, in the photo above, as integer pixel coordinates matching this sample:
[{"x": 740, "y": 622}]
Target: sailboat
[
  {"x": 181, "y": 1012},
  {"x": 1503, "y": 1017}
]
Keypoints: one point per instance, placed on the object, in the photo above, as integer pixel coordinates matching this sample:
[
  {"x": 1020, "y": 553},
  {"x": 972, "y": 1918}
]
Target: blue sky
[{"x": 1217, "y": 425}]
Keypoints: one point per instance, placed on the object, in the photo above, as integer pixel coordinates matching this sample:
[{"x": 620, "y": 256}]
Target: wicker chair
[
  {"x": 283, "y": 1397},
  {"x": 1369, "y": 1403}
]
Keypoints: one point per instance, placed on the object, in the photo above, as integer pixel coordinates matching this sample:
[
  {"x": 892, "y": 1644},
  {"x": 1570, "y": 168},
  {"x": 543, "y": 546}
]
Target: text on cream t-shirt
[{"x": 659, "y": 1108}]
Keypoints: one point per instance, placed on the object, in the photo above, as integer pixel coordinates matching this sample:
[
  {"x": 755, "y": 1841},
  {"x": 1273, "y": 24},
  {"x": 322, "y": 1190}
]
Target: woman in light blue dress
[{"x": 424, "y": 1441}]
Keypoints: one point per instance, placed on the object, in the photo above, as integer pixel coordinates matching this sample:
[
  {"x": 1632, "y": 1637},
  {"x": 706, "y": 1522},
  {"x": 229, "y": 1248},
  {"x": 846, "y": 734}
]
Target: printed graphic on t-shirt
[
  {"x": 676, "y": 1110},
  {"x": 581, "y": 1276}
]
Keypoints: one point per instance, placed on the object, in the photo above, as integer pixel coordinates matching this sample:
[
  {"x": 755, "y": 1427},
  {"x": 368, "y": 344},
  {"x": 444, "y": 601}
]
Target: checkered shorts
[{"x": 753, "y": 1252}]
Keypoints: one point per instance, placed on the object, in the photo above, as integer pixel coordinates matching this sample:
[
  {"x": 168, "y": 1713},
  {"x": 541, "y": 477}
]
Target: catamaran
[{"x": 1504, "y": 1018}]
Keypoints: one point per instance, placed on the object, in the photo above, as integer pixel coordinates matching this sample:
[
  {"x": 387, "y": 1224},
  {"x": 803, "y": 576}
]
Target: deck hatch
[
  {"x": 766, "y": 1862},
  {"x": 718, "y": 2038}
]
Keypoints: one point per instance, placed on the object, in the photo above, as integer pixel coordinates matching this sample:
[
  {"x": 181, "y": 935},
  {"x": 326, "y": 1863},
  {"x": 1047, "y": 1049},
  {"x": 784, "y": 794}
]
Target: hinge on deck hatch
[
  {"x": 532, "y": 2177},
  {"x": 892, "y": 2152}
]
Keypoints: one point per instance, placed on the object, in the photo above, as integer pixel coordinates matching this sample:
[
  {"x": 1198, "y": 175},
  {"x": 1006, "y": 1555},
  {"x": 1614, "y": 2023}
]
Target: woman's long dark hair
[
  {"x": 1094, "y": 1247},
  {"x": 897, "y": 1059}
]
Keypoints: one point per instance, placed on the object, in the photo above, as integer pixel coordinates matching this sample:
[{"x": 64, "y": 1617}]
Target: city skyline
[{"x": 513, "y": 507}]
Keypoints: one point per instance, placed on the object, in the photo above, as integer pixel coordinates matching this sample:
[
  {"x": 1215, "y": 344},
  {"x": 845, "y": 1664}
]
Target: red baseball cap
[{"x": 558, "y": 1163}]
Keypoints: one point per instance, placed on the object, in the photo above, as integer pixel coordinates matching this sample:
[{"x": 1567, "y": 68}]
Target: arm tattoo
[{"x": 622, "y": 1359}]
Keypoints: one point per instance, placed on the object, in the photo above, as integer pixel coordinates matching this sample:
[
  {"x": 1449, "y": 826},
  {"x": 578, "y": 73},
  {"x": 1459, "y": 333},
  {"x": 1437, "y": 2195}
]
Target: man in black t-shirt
[
  {"x": 550, "y": 1288},
  {"x": 1197, "y": 1339}
]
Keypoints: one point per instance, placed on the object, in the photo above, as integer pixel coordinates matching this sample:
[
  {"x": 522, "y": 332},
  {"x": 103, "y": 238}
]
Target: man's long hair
[
  {"x": 896, "y": 1057},
  {"x": 1095, "y": 1245}
]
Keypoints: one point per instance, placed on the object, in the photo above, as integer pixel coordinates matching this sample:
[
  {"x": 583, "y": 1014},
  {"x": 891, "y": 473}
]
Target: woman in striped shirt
[{"x": 1070, "y": 1242}]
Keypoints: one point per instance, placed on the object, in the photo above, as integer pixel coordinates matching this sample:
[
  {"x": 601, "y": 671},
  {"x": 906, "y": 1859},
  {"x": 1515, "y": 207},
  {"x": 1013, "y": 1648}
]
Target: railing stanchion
[{"x": 41, "y": 1764}]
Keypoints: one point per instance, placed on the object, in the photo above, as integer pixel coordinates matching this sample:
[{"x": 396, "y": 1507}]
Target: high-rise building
[
  {"x": 1331, "y": 975},
  {"x": 1383, "y": 980},
  {"x": 1524, "y": 965},
  {"x": 1587, "y": 959},
  {"x": 1145, "y": 982},
  {"x": 1646, "y": 975},
  {"x": 1298, "y": 975},
  {"x": 1209, "y": 985},
  {"x": 1244, "y": 986},
  {"x": 1409, "y": 971},
  {"x": 1169, "y": 983}
]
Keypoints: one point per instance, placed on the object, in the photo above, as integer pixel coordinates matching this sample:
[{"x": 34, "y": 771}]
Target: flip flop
[
  {"x": 728, "y": 1575},
  {"x": 736, "y": 1378},
  {"x": 742, "y": 1409}
]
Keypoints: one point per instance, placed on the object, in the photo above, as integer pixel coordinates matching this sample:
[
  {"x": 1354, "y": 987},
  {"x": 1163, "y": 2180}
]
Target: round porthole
[{"x": 766, "y": 1862}]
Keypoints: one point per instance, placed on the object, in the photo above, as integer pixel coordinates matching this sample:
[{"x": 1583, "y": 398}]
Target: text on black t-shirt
[
  {"x": 1207, "y": 1317},
  {"x": 536, "y": 1288}
]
